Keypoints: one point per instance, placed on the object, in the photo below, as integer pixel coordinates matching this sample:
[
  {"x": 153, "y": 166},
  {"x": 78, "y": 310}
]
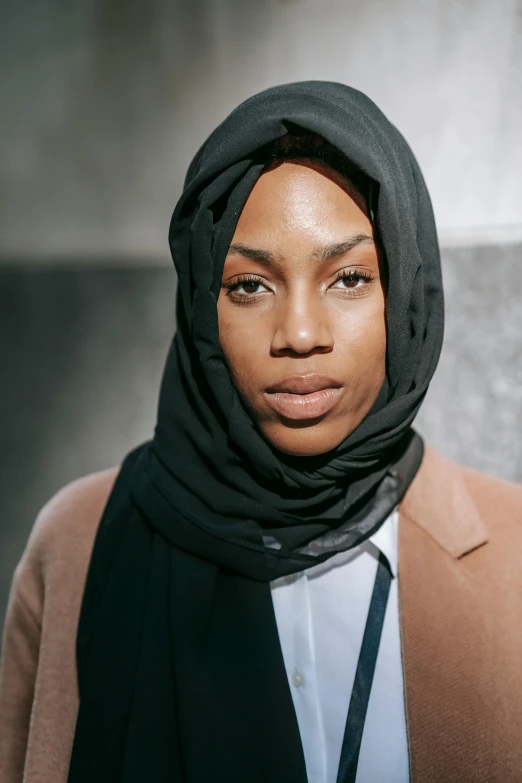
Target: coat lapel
[{"x": 445, "y": 635}]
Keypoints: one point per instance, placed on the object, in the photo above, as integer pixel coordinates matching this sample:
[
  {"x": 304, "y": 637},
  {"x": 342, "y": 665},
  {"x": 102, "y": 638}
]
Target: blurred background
[{"x": 103, "y": 104}]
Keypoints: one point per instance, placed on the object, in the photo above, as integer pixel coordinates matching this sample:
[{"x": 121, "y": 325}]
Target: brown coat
[{"x": 460, "y": 599}]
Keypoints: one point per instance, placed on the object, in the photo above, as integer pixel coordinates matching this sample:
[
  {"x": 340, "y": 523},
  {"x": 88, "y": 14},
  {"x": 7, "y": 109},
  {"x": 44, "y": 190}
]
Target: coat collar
[{"x": 436, "y": 498}]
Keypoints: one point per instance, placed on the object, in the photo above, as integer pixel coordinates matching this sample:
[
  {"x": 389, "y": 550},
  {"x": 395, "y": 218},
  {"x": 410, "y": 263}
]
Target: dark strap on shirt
[{"x": 364, "y": 675}]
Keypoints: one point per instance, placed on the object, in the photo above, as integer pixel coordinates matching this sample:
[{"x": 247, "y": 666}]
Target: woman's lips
[{"x": 303, "y": 397}]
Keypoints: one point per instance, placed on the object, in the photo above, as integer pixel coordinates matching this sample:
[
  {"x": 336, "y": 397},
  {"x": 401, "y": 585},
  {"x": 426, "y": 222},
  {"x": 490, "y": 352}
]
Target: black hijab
[{"x": 180, "y": 671}]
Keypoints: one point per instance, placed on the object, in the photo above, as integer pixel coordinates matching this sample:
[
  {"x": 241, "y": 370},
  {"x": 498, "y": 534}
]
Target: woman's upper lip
[{"x": 303, "y": 384}]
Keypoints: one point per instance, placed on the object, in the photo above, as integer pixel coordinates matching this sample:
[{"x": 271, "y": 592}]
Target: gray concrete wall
[{"x": 104, "y": 102}]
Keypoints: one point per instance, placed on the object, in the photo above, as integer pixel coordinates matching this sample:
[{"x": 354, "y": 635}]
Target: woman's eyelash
[
  {"x": 231, "y": 286},
  {"x": 364, "y": 273},
  {"x": 246, "y": 278}
]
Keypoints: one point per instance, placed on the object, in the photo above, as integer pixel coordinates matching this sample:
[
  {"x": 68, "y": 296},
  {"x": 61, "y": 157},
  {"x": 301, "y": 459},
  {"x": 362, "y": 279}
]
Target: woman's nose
[{"x": 301, "y": 326}]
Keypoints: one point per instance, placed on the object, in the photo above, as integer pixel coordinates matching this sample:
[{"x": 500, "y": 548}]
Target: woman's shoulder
[
  {"x": 73, "y": 512},
  {"x": 449, "y": 483},
  {"x": 496, "y": 497},
  {"x": 62, "y": 536},
  {"x": 479, "y": 483}
]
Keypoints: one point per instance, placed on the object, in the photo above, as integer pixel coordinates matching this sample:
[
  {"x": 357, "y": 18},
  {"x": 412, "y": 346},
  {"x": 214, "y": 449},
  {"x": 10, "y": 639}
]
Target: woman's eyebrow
[
  {"x": 340, "y": 248},
  {"x": 263, "y": 256},
  {"x": 324, "y": 254}
]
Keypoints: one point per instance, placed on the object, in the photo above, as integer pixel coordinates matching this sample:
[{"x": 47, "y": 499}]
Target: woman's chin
[{"x": 305, "y": 439}]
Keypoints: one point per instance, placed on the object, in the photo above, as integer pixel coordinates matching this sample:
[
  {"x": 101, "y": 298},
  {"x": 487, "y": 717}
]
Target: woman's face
[{"x": 302, "y": 308}]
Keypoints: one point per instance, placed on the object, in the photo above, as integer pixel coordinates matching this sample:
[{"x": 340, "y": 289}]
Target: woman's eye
[
  {"x": 249, "y": 286},
  {"x": 350, "y": 281},
  {"x": 245, "y": 290}
]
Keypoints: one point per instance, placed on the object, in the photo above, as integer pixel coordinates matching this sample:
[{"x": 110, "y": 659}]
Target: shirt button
[
  {"x": 290, "y": 578},
  {"x": 297, "y": 679}
]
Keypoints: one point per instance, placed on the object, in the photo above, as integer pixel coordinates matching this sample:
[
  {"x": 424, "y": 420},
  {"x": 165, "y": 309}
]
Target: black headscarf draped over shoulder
[{"x": 180, "y": 671}]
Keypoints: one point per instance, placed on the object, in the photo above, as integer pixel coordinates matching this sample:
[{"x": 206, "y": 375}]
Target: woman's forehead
[{"x": 295, "y": 198}]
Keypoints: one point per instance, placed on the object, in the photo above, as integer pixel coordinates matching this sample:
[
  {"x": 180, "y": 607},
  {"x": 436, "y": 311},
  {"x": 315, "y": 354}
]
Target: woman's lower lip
[{"x": 303, "y": 406}]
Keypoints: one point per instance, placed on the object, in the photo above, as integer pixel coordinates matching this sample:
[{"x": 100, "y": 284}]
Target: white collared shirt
[{"x": 321, "y": 615}]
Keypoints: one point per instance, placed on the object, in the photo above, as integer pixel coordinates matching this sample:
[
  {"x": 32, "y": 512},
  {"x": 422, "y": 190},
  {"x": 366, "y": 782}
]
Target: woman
[{"x": 226, "y": 604}]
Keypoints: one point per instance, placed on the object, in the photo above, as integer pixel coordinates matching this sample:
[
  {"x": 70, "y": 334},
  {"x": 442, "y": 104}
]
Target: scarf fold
[{"x": 180, "y": 671}]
